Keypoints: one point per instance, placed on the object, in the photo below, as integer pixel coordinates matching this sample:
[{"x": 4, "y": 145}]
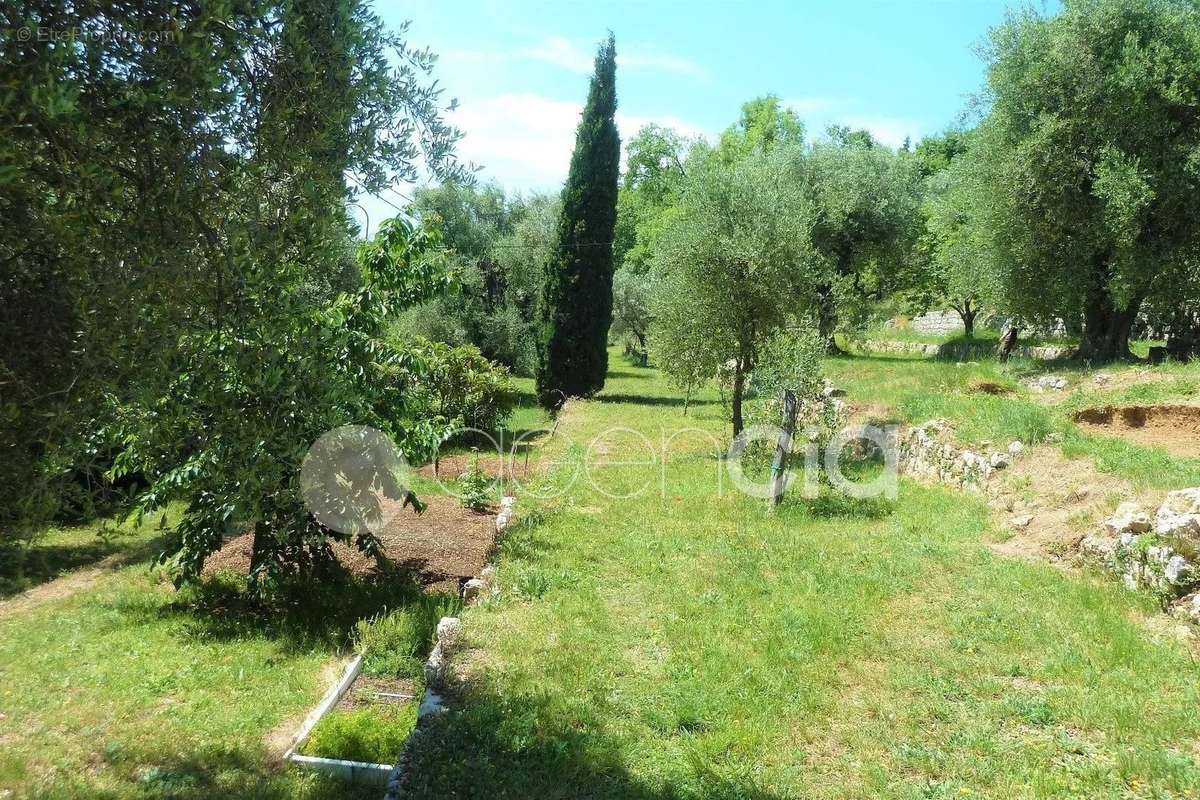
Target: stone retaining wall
[
  {"x": 965, "y": 350},
  {"x": 927, "y": 451}
]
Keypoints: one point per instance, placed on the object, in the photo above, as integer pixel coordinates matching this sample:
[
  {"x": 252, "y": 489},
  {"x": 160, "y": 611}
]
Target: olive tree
[
  {"x": 732, "y": 267},
  {"x": 866, "y": 200},
  {"x": 1085, "y": 168}
]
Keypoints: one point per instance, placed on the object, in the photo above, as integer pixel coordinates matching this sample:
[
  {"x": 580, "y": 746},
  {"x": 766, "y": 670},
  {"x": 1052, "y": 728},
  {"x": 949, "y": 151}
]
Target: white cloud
[
  {"x": 562, "y": 52},
  {"x": 664, "y": 63},
  {"x": 818, "y": 113},
  {"x": 525, "y": 140}
]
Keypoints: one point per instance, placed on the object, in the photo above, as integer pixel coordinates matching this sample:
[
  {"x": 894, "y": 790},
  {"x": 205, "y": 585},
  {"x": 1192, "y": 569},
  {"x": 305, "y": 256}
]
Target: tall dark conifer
[{"x": 576, "y": 303}]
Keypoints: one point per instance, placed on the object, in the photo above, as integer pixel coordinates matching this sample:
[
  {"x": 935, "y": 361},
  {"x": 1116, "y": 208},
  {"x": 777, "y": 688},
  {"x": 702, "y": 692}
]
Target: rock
[
  {"x": 1099, "y": 547},
  {"x": 1179, "y": 515},
  {"x": 1102, "y": 378},
  {"x": 1049, "y": 383},
  {"x": 1188, "y": 607},
  {"x": 472, "y": 589},
  {"x": 829, "y": 390},
  {"x": 1176, "y": 569},
  {"x": 505, "y": 516},
  {"x": 1015, "y": 447},
  {"x": 437, "y": 668},
  {"x": 1021, "y": 521},
  {"x": 431, "y": 703},
  {"x": 1000, "y": 460},
  {"x": 1129, "y": 517},
  {"x": 449, "y": 634}
]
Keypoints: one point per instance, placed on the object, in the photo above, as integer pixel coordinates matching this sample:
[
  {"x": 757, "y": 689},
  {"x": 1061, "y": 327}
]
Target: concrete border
[
  {"x": 330, "y": 700},
  {"x": 361, "y": 772}
]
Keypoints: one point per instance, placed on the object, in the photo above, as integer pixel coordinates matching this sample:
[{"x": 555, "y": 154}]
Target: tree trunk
[
  {"x": 1183, "y": 342},
  {"x": 258, "y": 549},
  {"x": 827, "y": 318},
  {"x": 1007, "y": 342},
  {"x": 1106, "y": 330},
  {"x": 968, "y": 314},
  {"x": 739, "y": 387},
  {"x": 782, "y": 447},
  {"x": 1106, "y": 326}
]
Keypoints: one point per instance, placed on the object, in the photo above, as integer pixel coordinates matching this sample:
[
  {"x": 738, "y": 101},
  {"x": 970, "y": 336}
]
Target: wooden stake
[{"x": 783, "y": 447}]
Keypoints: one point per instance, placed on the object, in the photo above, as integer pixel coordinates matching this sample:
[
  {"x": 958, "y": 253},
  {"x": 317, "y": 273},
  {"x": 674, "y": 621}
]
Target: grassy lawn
[
  {"x": 114, "y": 685},
  {"x": 127, "y": 689},
  {"x": 654, "y": 638},
  {"x": 677, "y": 643}
]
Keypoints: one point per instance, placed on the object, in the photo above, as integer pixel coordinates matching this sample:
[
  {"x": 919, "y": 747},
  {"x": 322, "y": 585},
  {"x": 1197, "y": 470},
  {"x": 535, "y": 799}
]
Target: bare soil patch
[
  {"x": 511, "y": 466},
  {"x": 370, "y": 690},
  {"x": 1057, "y": 500},
  {"x": 983, "y": 386},
  {"x": 1175, "y": 428},
  {"x": 444, "y": 546}
]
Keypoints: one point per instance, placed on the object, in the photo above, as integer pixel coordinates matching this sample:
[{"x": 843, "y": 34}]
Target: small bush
[
  {"x": 375, "y": 734},
  {"x": 476, "y": 486},
  {"x": 395, "y": 643},
  {"x": 461, "y": 386}
]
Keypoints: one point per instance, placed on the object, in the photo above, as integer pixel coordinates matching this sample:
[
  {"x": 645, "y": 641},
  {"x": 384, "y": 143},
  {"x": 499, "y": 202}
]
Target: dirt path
[{"x": 63, "y": 586}]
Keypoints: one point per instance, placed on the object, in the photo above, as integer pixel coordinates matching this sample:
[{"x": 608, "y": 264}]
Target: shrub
[
  {"x": 476, "y": 486},
  {"x": 461, "y": 387}
]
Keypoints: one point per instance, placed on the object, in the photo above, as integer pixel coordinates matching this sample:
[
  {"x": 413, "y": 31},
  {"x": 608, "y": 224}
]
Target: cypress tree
[{"x": 575, "y": 309}]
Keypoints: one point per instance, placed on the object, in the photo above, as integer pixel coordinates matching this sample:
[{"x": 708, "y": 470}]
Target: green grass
[
  {"x": 373, "y": 734},
  {"x": 655, "y": 638},
  {"x": 653, "y": 642},
  {"x": 127, "y": 689},
  {"x": 63, "y": 549}
]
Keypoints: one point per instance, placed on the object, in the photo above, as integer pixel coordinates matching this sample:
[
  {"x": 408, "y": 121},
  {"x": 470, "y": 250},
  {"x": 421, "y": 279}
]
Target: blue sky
[{"x": 519, "y": 68}]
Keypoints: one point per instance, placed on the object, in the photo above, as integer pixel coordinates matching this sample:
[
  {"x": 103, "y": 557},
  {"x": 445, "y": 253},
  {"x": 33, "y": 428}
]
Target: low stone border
[
  {"x": 925, "y": 451},
  {"x": 439, "y": 673},
  {"x": 1144, "y": 552},
  {"x": 961, "y": 350}
]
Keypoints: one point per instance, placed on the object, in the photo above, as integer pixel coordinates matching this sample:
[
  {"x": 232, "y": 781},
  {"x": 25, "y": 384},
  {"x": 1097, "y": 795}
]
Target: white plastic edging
[
  {"x": 354, "y": 771},
  {"x": 330, "y": 700}
]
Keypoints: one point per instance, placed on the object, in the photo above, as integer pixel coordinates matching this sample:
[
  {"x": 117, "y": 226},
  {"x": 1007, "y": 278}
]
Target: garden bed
[
  {"x": 360, "y": 727},
  {"x": 444, "y": 546},
  {"x": 369, "y": 723}
]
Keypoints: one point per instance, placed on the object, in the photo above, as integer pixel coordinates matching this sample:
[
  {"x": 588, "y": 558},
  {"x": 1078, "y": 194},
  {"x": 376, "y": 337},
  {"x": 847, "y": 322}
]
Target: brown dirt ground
[
  {"x": 366, "y": 689},
  {"x": 982, "y": 386},
  {"x": 1174, "y": 427},
  {"x": 451, "y": 466},
  {"x": 1067, "y": 499},
  {"x": 445, "y": 545}
]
